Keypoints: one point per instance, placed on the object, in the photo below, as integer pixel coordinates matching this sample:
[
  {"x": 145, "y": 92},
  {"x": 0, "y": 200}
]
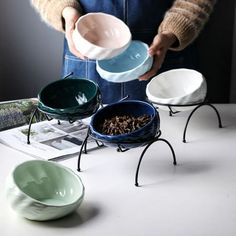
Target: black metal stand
[
  {"x": 35, "y": 112},
  {"x": 196, "y": 108},
  {"x": 121, "y": 149},
  {"x": 198, "y": 105},
  {"x": 30, "y": 123}
]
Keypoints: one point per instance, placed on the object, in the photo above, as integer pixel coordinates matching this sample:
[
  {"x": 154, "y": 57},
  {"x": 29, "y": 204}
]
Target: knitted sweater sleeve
[
  {"x": 51, "y": 11},
  {"x": 185, "y": 19}
]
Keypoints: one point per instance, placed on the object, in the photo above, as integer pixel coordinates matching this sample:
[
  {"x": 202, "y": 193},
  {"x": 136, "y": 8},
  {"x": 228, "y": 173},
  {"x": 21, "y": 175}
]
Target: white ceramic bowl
[
  {"x": 129, "y": 65},
  {"x": 177, "y": 87},
  {"x": 101, "y": 36},
  {"x": 42, "y": 190}
]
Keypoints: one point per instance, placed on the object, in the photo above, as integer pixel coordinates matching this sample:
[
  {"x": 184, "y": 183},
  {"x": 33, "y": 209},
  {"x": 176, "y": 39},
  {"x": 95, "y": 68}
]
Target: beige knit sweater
[{"x": 185, "y": 18}]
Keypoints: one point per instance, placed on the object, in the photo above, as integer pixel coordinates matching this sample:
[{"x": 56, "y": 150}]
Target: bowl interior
[
  {"x": 103, "y": 30},
  {"x": 134, "y": 56},
  {"x": 130, "y": 108},
  {"x": 68, "y": 93},
  {"x": 47, "y": 182},
  {"x": 174, "y": 84}
]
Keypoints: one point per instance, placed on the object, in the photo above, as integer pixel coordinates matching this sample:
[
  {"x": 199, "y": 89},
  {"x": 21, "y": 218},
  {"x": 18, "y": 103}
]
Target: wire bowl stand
[
  {"x": 120, "y": 148},
  {"x": 198, "y": 105},
  {"x": 146, "y": 144},
  {"x": 35, "y": 114}
]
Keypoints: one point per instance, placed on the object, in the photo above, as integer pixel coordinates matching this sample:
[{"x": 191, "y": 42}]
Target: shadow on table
[
  {"x": 85, "y": 213},
  {"x": 176, "y": 172}
]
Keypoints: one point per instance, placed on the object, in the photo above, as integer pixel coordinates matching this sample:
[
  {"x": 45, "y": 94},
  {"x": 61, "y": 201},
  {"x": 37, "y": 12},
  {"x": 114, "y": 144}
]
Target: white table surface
[{"x": 195, "y": 198}]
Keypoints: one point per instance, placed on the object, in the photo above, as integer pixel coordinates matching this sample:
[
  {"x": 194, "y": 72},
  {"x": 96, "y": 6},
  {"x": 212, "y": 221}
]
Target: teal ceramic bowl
[
  {"x": 70, "y": 98},
  {"x": 42, "y": 190}
]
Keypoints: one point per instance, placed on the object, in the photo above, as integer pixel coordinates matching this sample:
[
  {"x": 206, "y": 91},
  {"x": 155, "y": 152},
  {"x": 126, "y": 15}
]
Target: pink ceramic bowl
[{"x": 101, "y": 36}]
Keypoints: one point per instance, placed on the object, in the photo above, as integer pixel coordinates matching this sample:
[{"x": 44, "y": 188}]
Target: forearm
[
  {"x": 185, "y": 19},
  {"x": 51, "y": 11}
]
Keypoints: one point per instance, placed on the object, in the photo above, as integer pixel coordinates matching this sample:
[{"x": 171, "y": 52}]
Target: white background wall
[{"x": 31, "y": 52}]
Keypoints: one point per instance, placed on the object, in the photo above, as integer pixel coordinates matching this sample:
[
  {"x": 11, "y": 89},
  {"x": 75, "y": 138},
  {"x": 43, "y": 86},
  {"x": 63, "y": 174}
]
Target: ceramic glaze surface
[
  {"x": 129, "y": 65},
  {"x": 42, "y": 190},
  {"x": 101, "y": 36},
  {"x": 73, "y": 98},
  {"x": 177, "y": 87},
  {"x": 132, "y": 108}
]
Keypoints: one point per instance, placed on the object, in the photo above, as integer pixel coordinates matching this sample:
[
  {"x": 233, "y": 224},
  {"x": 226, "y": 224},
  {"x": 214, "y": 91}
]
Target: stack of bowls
[
  {"x": 42, "y": 190},
  {"x": 107, "y": 40},
  {"x": 133, "y": 108},
  {"x": 69, "y": 99}
]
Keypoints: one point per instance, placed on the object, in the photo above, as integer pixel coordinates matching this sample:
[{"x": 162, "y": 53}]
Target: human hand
[
  {"x": 71, "y": 15},
  {"x": 161, "y": 43}
]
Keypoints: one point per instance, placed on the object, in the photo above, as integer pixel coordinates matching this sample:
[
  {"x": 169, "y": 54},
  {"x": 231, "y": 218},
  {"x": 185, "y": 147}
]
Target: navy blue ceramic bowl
[
  {"x": 133, "y": 108},
  {"x": 70, "y": 99}
]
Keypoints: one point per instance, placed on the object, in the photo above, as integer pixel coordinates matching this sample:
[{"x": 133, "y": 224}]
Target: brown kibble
[{"x": 123, "y": 124}]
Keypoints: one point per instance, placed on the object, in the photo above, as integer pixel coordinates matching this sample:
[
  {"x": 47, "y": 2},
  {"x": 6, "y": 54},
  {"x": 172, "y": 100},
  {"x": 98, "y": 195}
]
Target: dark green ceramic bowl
[{"x": 70, "y": 98}]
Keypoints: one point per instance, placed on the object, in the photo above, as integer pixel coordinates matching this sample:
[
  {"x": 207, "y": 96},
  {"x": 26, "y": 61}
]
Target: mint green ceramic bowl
[{"x": 42, "y": 190}]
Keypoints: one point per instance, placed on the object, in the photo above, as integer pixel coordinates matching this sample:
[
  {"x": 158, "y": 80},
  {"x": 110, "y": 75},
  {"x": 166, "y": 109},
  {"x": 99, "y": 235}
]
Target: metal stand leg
[
  {"x": 144, "y": 151},
  {"x": 34, "y": 114},
  {"x": 193, "y": 111},
  {"x": 71, "y": 121},
  {"x": 99, "y": 144},
  {"x": 121, "y": 149},
  {"x": 83, "y": 146},
  {"x": 30, "y": 123},
  {"x": 172, "y": 112}
]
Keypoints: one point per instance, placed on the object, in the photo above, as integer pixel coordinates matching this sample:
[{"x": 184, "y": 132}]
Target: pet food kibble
[{"x": 123, "y": 124}]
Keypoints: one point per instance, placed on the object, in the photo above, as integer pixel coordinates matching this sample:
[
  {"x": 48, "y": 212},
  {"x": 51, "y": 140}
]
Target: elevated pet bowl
[
  {"x": 179, "y": 90},
  {"x": 144, "y": 136}
]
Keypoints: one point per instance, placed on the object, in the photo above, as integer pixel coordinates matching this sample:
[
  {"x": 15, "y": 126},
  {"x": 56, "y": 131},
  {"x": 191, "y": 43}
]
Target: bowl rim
[
  {"x": 155, "y": 115},
  {"x": 162, "y": 101},
  {"x": 71, "y": 172},
  {"x": 65, "y": 110},
  {"x": 107, "y": 15},
  {"x": 100, "y": 69}
]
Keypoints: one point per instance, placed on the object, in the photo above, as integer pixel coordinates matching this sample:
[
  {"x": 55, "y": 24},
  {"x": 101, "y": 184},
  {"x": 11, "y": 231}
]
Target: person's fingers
[
  {"x": 162, "y": 41},
  {"x": 158, "y": 49},
  {"x": 157, "y": 63},
  {"x": 71, "y": 15},
  {"x": 155, "y": 46},
  {"x": 155, "y": 67},
  {"x": 69, "y": 37},
  {"x": 148, "y": 75}
]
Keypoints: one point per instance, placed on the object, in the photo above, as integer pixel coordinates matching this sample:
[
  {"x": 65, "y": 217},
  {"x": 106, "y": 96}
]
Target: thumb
[
  {"x": 155, "y": 46},
  {"x": 69, "y": 25},
  {"x": 70, "y": 16}
]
